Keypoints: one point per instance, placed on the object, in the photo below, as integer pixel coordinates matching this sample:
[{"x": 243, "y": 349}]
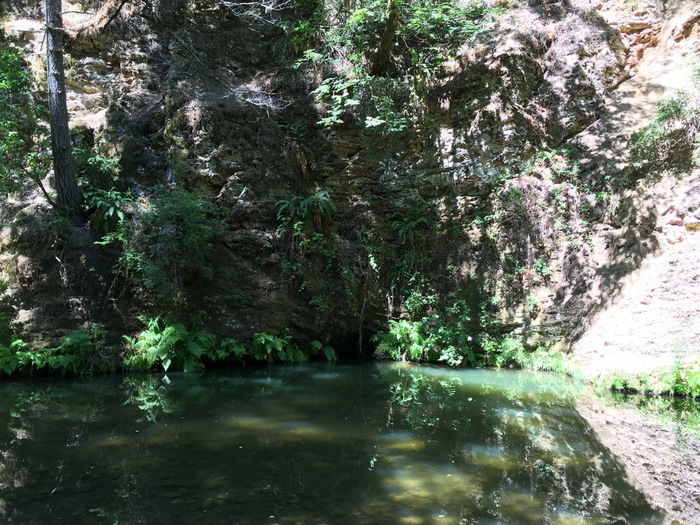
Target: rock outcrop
[{"x": 484, "y": 199}]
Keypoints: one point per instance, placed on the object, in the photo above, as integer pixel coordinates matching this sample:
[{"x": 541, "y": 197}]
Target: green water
[{"x": 365, "y": 444}]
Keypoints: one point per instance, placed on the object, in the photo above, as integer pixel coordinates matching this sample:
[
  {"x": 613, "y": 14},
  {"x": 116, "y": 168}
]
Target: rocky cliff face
[{"x": 484, "y": 199}]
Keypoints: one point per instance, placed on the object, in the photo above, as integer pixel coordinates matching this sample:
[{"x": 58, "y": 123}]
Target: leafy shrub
[
  {"x": 98, "y": 170},
  {"x": 228, "y": 350},
  {"x": 107, "y": 208},
  {"x": 166, "y": 240},
  {"x": 172, "y": 345},
  {"x": 328, "y": 351},
  {"x": 509, "y": 352},
  {"x": 315, "y": 212},
  {"x": 74, "y": 355},
  {"x": 404, "y": 340},
  {"x": 271, "y": 348},
  {"x": 71, "y": 356},
  {"x": 437, "y": 337},
  {"x": 671, "y": 141},
  {"x": 23, "y": 139},
  {"x": 169, "y": 344},
  {"x": 9, "y": 360}
]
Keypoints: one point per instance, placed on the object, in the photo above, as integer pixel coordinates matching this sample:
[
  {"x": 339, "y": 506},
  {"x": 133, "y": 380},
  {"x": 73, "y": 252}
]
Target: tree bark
[
  {"x": 69, "y": 198},
  {"x": 380, "y": 64}
]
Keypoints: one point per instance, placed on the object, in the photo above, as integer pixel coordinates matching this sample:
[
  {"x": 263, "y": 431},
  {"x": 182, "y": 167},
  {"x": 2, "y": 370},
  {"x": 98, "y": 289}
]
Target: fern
[
  {"x": 227, "y": 349},
  {"x": 315, "y": 212},
  {"x": 267, "y": 347},
  {"x": 316, "y": 347},
  {"x": 171, "y": 345}
]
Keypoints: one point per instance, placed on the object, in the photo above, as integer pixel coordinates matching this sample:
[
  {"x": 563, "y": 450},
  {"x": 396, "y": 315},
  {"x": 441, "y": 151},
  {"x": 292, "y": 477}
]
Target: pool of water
[{"x": 317, "y": 444}]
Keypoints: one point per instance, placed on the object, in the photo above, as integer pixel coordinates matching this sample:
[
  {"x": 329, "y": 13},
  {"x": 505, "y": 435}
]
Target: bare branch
[
  {"x": 267, "y": 100},
  {"x": 258, "y": 10}
]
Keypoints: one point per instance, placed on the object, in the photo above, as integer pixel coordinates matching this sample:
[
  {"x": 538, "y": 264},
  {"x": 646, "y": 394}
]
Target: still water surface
[{"x": 318, "y": 444}]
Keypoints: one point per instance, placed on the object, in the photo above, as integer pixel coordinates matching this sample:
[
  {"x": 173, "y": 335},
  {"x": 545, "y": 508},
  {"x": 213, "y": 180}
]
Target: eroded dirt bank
[
  {"x": 645, "y": 320},
  {"x": 652, "y": 323},
  {"x": 661, "y": 460}
]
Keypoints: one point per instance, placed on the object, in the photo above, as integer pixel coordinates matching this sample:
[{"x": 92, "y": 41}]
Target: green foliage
[
  {"x": 271, "y": 348},
  {"x": 328, "y": 351},
  {"x": 540, "y": 266},
  {"x": 164, "y": 343},
  {"x": 412, "y": 232},
  {"x": 509, "y": 352},
  {"x": 9, "y": 358},
  {"x": 71, "y": 356},
  {"x": 447, "y": 337},
  {"x": 671, "y": 141},
  {"x": 107, "y": 208},
  {"x": 682, "y": 414},
  {"x": 229, "y": 350},
  {"x": 421, "y": 298},
  {"x": 169, "y": 344},
  {"x": 98, "y": 170},
  {"x": 165, "y": 242},
  {"x": 314, "y": 213},
  {"x": 309, "y": 248},
  {"x": 23, "y": 144},
  {"x": 75, "y": 355},
  {"x": 172, "y": 345},
  {"x": 436, "y": 337},
  {"x": 404, "y": 340},
  {"x": 426, "y": 33},
  {"x": 682, "y": 378}
]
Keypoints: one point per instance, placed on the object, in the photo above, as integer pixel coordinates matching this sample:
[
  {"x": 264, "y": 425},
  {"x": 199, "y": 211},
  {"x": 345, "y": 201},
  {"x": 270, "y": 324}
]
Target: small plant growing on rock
[
  {"x": 106, "y": 208},
  {"x": 315, "y": 212},
  {"x": 671, "y": 141},
  {"x": 165, "y": 241}
]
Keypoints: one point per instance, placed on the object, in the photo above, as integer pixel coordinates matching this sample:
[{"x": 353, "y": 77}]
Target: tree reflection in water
[{"x": 312, "y": 444}]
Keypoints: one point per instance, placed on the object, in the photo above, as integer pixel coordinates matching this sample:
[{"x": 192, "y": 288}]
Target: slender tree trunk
[
  {"x": 69, "y": 197},
  {"x": 381, "y": 59}
]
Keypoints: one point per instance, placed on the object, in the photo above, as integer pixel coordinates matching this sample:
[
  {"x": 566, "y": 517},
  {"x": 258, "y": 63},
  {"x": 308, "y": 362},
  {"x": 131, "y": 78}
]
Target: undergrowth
[
  {"x": 164, "y": 343},
  {"x": 671, "y": 141},
  {"x": 447, "y": 337},
  {"x": 171, "y": 345},
  {"x": 681, "y": 379},
  {"x": 75, "y": 355}
]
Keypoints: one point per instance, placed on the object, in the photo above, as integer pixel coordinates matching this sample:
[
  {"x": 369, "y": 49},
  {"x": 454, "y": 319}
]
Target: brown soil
[
  {"x": 653, "y": 320},
  {"x": 662, "y": 462}
]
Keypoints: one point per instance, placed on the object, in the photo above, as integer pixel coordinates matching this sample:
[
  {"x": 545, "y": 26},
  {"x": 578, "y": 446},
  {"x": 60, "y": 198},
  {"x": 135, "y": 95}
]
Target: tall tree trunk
[
  {"x": 69, "y": 197},
  {"x": 380, "y": 64}
]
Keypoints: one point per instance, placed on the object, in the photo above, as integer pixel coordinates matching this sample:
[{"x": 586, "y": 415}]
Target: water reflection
[{"x": 375, "y": 444}]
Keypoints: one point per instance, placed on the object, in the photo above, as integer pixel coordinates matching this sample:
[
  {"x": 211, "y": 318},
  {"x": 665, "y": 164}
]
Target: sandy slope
[{"x": 655, "y": 317}]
